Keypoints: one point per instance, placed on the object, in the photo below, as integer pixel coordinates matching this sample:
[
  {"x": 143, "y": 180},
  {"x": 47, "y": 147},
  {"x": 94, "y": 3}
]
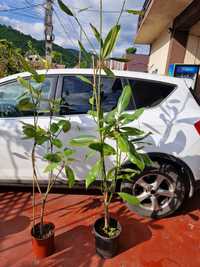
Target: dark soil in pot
[
  {"x": 106, "y": 245},
  {"x": 43, "y": 246}
]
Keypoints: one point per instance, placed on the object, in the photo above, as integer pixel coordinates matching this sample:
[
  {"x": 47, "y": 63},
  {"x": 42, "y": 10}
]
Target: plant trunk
[
  {"x": 106, "y": 211},
  {"x": 42, "y": 217}
]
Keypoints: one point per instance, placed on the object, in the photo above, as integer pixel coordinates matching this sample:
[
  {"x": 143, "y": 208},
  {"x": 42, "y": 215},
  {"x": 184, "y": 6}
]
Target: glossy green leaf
[
  {"x": 84, "y": 79},
  {"x": 65, "y": 124},
  {"x": 110, "y": 116},
  {"x": 137, "y": 160},
  {"x": 68, "y": 152},
  {"x": 65, "y": 8},
  {"x": 54, "y": 127},
  {"x": 92, "y": 174},
  {"x": 146, "y": 159},
  {"x": 131, "y": 131},
  {"x": 130, "y": 199},
  {"x": 108, "y": 72},
  {"x": 25, "y": 104},
  {"x": 53, "y": 157},
  {"x": 83, "y": 140},
  {"x": 51, "y": 167},
  {"x": 96, "y": 34},
  {"x": 124, "y": 99},
  {"x": 110, "y": 41},
  {"x": 127, "y": 118},
  {"x": 28, "y": 131},
  {"x": 106, "y": 148},
  {"x": 135, "y": 12},
  {"x": 57, "y": 142},
  {"x": 86, "y": 55},
  {"x": 70, "y": 176},
  {"x": 123, "y": 143}
]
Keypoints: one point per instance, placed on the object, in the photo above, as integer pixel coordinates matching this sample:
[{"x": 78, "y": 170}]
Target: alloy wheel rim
[{"x": 154, "y": 191}]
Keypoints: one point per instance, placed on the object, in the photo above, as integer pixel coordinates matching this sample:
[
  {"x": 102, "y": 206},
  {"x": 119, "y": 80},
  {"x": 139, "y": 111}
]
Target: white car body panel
[{"x": 171, "y": 123}]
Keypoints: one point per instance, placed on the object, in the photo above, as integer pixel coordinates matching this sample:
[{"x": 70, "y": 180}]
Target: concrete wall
[{"x": 159, "y": 53}]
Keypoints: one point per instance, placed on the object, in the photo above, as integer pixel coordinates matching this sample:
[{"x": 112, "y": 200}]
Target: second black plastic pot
[{"x": 106, "y": 247}]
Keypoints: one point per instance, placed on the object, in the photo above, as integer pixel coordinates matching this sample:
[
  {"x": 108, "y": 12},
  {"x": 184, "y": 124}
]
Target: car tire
[{"x": 161, "y": 189}]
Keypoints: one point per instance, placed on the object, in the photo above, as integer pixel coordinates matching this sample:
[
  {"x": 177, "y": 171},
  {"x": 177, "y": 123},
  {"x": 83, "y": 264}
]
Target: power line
[
  {"x": 62, "y": 25},
  {"x": 20, "y": 8}
]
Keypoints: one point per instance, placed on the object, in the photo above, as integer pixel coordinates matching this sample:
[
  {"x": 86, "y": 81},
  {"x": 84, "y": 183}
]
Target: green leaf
[
  {"x": 108, "y": 72},
  {"x": 51, "y": 167},
  {"x": 84, "y": 79},
  {"x": 57, "y": 143},
  {"x": 110, "y": 116},
  {"x": 110, "y": 41},
  {"x": 86, "y": 55},
  {"x": 124, "y": 99},
  {"x": 54, "y": 127},
  {"x": 65, "y": 8},
  {"x": 25, "y": 104},
  {"x": 127, "y": 118},
  {"x": 120, "y": 59},
  {"x": 70, "y": 176},
  {"x": 136, "y": 159},
  {"x": 106, "y": 148},
  {"x": 97, "y": 34},
  {"x": 53, "y": 157},
  {"x": 93, "y": 174},
  {"x": 131, "y": 131},
  {"x": 91, "y": 100},
  {"x": 146, "y": 159},
  {"x": 28, "y": 131},
  {"x": 65, "y": 125},
  {"x": 124, "y": 144},
  {"x": 135, "y": 12},
  {"x": 83, "y": 140},
  {"x": 130, "y": 199},
  {"x": 68, "y": 152},
  {"x": 92, "y": 113}
]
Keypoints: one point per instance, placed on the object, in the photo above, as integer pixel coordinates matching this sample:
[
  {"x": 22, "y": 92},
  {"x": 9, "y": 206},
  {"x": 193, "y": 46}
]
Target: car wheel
[{"x": 161, "y": 190}]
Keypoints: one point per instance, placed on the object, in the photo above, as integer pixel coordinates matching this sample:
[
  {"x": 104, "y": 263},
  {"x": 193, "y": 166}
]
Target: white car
[{"x": 171, "y": 114}]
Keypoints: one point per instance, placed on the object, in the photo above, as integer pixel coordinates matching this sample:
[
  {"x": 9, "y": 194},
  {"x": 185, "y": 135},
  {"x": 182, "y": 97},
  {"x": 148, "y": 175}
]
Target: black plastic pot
[{"x": 106, "y": 247}]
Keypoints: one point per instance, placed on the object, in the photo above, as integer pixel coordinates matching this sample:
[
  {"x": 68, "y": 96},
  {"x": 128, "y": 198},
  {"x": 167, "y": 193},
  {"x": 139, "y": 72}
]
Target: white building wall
[{"x": 159, "y": 53}]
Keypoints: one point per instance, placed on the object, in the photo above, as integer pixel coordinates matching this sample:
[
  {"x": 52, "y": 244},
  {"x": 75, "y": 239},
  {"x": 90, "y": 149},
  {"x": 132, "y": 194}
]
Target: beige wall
[
  {"x": 159, "y": 53},
  {"x": 192, "y": 55}
]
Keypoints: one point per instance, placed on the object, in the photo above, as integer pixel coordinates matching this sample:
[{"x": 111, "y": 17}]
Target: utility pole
[{"x": 49, "y": 36}]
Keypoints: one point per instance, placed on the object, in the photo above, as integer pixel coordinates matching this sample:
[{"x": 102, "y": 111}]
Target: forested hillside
[{"x": 20, "y": 40}]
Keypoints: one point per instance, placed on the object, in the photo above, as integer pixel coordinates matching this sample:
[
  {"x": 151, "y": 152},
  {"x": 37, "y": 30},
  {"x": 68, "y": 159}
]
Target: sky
[{"x": 29, "y": 20}]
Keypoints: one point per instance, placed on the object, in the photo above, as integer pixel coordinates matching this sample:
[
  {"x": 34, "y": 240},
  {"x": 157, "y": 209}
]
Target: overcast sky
[{"x": 30, "y": 20}]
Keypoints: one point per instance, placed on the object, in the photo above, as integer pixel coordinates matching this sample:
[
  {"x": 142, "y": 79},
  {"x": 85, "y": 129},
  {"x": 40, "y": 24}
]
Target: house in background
[
  {"x": 172, "y": 29},
  {"x": 137, "y": 62}
]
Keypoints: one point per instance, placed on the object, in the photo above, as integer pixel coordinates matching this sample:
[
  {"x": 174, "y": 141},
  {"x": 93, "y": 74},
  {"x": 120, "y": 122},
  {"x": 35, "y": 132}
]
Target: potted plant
[
  {"x": 57, "y": 157},
  {"x": 111, "y": 126}
]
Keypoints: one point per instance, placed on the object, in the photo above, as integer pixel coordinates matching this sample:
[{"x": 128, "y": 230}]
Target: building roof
[{"x": 158, "y": 14}]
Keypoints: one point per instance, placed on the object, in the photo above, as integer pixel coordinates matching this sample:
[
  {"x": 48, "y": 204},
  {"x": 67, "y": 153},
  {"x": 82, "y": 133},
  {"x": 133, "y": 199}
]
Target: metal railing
[{"x": 144, "y": 9}]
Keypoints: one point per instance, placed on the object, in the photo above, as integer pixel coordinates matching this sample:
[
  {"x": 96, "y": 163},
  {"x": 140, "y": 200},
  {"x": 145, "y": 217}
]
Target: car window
[
  {"x": 76, "y": 94},
  {"x": 10, "y": 93},
  {"x": 149, "y": 93}
]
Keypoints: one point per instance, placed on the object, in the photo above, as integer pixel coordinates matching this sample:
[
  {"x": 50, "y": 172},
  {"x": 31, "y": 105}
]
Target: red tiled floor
[{"x": 168, "y": 242}]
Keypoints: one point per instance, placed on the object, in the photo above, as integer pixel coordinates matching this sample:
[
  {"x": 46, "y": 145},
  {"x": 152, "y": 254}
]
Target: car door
[
  {"x": 75, "y": 96},
  {"x": 15, "y": 164},
  {"x": 160, "y": 112}
]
